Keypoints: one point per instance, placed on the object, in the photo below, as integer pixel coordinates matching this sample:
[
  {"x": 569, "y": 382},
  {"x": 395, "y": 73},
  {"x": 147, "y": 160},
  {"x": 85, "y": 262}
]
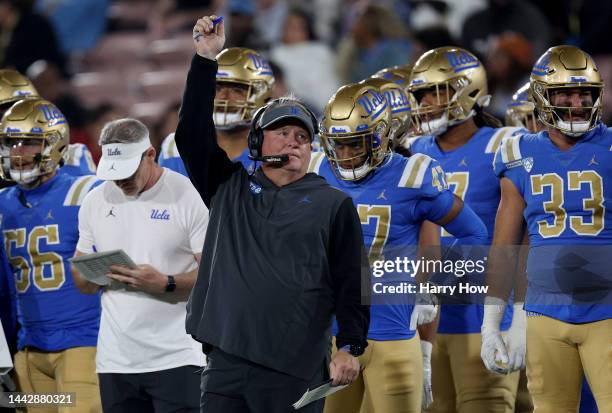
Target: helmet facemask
[
  {"x": 231, "y": 113},
  {"x": 33, "y": 150},
  {"x": 446, "y": 111},
  {"x": 242, "y": 68},
  {"x": 369, "y": 150},
  {"x": 561, "y": 117}
]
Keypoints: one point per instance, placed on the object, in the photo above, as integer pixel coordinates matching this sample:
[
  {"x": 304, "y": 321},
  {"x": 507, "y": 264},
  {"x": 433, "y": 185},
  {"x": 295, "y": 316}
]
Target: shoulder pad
[
  {"x": 316, "y": 159},
  {"x": 168, "y": 148},
  {"x": 411, "y": 141},
  {"x": 414, "y": 171},
  {"x": 499, "y": 135},
  {"x": 75, "y": 153},
  {"x": 79, "y": 188}
]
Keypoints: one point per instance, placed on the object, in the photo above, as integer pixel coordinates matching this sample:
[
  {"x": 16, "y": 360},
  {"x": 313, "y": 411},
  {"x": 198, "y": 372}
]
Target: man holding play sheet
[{"x": 145, "y": 361}]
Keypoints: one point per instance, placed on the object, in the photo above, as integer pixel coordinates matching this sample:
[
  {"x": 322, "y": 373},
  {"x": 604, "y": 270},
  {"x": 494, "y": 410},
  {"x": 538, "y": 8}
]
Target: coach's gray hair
[
  {"x": 125, "y": 130},
  {"x": 285, "y": 100}
]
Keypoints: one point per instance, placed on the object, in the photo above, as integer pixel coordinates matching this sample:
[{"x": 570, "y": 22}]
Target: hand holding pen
[{"x": 209, "y": 36}]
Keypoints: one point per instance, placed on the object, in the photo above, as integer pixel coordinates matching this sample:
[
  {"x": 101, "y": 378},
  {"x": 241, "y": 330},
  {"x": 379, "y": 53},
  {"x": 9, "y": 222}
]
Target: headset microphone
[{"x": 271, "y": 159}]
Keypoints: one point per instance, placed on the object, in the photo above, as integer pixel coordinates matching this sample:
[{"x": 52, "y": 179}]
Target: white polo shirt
[{"x": 163, "y": 227}]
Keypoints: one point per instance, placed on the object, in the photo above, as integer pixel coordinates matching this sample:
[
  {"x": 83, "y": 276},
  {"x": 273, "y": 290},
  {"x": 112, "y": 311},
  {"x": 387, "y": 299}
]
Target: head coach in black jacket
[{"x": 283, "y": 254}]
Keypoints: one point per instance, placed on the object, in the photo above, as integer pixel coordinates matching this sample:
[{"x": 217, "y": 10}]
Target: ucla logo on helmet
[
  {"x": 22, "y": 93},
  {"x": 541, "y": 67},
  {"x": 577, "y": 79},
  {"x": 398, "y": 100},
  {"x": 373, "y": 103},
  {"x": 340, "y": 129},
  {"x": 261, "y": 65},
  {"x": 223, "y": 73},
  {"x": 52, "y": 115},
  {"x": 9, "y": 130},
  {"x": 461, "y": 60}
]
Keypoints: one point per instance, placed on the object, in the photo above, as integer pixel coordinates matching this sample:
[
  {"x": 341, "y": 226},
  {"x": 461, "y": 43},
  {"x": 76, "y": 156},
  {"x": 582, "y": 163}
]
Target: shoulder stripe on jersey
[
  {"x": 498, "y": 136},
  {"x": 414, "y": 171},
  {"x": 78, "y": 190},
  {"x": 510, "y": 149},
  {"x": 316, "y": 158}
]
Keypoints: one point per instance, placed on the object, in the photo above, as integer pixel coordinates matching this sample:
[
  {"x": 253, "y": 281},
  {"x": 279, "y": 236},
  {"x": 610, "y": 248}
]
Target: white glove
[
  {"x": 516, "y": 339},
  {"x": 426, "y": 347},
  {"x": 493, "y": 349},
  {"x": 426, "y": 308}
]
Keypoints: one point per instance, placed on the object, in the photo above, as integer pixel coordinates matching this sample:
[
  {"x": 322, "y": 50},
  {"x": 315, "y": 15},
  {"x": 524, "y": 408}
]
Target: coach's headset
[{"x": 256, "y": 134}]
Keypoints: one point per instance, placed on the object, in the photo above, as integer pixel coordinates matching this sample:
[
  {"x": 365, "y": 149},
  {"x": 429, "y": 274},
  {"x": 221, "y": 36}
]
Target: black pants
[
  {"x": 234, "y": 385},
  {"x": 165, "y": 391}
]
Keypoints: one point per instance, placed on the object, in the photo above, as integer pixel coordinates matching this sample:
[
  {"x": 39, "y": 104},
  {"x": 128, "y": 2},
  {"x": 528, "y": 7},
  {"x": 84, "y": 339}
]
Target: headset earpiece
[{"x": 255, "y": 138}]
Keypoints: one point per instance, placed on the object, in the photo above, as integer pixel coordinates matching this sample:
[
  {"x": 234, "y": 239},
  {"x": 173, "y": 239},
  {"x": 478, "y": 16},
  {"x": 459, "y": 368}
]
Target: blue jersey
[
  {"x": 40, "y": 232},
  {"x": 470, "y": 175},
  {"x": 78, "y": 161},
  {"x": 171, "y": 159},
  {"x": 568, "y": 211},
  {"x": 392, "y": 202}
]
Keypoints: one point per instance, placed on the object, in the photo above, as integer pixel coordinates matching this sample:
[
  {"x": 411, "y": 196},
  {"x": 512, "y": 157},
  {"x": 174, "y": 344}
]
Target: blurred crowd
[{"x": 99, "y": 60}]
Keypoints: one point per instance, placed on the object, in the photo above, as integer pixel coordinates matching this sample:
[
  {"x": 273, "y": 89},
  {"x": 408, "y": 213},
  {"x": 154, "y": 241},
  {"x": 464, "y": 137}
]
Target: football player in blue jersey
[
  {"x": 449, "y": 85},
  {"x": 560, "y": 181},
  {"x": 393, "y": 195},
  {"x": 14, "y": 87},
  {"x": 391, "y": 83},
  {"x": 521, "y": 113},
  {"x": 58, "y": 325},
  {"x": 244, "y": 84}
]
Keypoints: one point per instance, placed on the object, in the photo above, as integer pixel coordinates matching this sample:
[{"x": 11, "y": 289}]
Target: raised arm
[{"x": 207, "y": 164}]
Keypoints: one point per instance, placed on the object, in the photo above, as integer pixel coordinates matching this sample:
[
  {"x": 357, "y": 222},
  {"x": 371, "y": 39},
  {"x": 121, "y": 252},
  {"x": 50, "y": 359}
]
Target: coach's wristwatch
[
  {"x": 355, "y": 350},
  {"x": 171, "y": 286}
]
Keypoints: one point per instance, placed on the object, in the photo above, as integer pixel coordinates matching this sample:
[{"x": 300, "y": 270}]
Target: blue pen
[{"x": 216, "y": 21}]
